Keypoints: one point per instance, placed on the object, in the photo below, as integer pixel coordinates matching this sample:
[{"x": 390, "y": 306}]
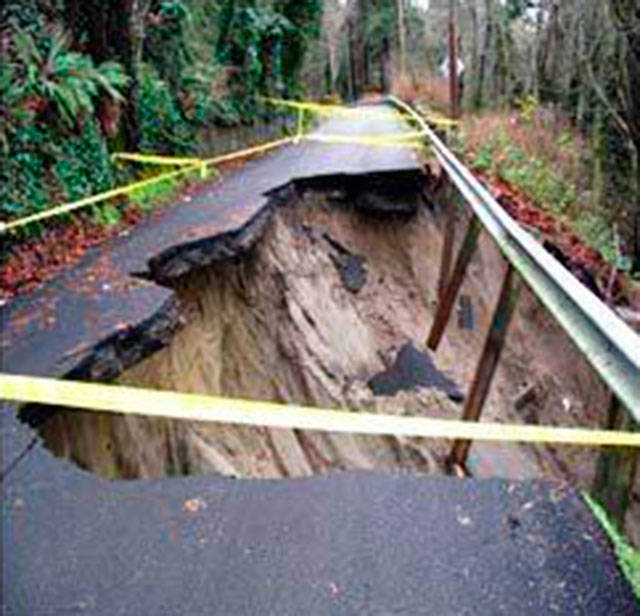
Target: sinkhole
[{"x": 327, "y": 301}]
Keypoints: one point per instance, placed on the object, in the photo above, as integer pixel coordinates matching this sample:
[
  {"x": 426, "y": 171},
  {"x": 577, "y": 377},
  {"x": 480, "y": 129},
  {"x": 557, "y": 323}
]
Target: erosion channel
[{"x": 329, "y": 304}]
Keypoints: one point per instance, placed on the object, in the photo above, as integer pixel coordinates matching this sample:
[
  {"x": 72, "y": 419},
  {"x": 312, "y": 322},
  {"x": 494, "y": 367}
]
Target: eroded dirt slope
[
  {"x": 328, "y": 298},
  {"x": 323, "y": 303}
]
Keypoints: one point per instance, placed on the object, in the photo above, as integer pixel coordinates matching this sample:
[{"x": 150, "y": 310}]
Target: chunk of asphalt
[
  {"x": 350, "y": 267},
  {"x": 413, "y": 368},
  {"x": 466, "y": 315},
  {"x": 351, "y": 270}
]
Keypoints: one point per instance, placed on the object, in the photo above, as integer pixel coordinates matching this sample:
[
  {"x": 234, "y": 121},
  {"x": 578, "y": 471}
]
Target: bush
[
  {"x": 22, "y": 171},
  {"x": 84, "y": 167},
  {"x": 162, "y": 126}
]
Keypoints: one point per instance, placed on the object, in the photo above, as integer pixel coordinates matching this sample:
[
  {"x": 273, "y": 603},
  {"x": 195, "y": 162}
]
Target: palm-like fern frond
[{"x": 66, "y": 79}]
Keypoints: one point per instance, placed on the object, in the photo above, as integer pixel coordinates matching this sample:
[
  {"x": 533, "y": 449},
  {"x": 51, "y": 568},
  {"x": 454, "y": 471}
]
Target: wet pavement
[{"x": 343, "y": 544}]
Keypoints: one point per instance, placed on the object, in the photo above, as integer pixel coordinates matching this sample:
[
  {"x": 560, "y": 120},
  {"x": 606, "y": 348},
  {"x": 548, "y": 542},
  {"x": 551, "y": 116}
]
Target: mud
[{"x": 330, "y": 307}]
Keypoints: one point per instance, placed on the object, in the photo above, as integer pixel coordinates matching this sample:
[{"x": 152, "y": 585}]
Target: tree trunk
[
  {"x": 137, "y": 11},
  {"x": 402, "y": 38},
  {"x": 484, "y": 57},
  {"x": 474, "y": 42},
  {"x": 627, "y": 15}
]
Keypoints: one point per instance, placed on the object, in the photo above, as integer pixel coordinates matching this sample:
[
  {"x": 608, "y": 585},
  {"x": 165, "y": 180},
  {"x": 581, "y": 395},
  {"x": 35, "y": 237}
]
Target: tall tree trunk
[
  {"x": 402, "y": 41},
  {"x": 136, "y": 11},
  {"x": 484, "y": 57},
  {"x": 627, "y": 15},
  {"x": 356, "y": 9},
  {"x": 385, "y": 65},
  {"x": 474, "y": 43}
]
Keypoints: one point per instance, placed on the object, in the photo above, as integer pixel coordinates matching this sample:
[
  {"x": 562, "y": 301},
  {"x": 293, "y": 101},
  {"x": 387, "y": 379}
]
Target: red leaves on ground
[
  {"x": 580, "y": 259},
  {"x": 36, "y": 260}
]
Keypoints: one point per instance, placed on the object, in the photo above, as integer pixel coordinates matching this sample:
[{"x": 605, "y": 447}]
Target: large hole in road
[{"x": 330, "y": 307}]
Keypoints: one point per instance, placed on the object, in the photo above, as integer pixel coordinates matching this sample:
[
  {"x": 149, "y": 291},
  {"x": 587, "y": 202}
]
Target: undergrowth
[
  {"x": 538, "y": 152},
  {"x": 147, "y": 197},
  {"x": 628, "y": 557}
]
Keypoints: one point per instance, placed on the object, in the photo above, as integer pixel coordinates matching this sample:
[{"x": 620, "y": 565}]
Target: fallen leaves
[
  {"x": 582, "y": 260},
  {"x": 193, "y": 505},
  {"x": 33, "y": 261}
]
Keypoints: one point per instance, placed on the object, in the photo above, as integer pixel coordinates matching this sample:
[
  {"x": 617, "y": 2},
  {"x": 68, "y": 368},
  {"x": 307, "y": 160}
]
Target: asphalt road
[
  {"x": 354, "y": 543},
  {"x": 51, "y": 330},
  {"x": 346, "y": 544}
]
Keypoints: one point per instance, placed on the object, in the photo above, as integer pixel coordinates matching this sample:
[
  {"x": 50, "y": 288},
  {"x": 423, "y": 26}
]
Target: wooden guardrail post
[
  {"x": 448, "y": 296},
  {"x": 488, "y": 361},
  {"x": 616, "y": 466},
  {"x": 449, "y": 237}
]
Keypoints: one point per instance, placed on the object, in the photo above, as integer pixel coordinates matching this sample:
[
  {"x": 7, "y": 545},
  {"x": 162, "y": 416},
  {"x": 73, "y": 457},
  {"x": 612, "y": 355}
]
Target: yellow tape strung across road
[
  {"x": 249, "y": 151},
  {"x": 373, "y": 140},
  {"x": 167, "y": 404},
  {"x": 329, "y": 109},
  {"x": 154, "y": 159},
  {"x": 109, "y": 194},
  {"x": 192, "y": 164}
]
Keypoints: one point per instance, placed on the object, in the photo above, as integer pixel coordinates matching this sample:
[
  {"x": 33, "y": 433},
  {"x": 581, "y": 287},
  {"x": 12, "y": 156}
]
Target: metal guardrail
[{"x": 608, "y": 343}]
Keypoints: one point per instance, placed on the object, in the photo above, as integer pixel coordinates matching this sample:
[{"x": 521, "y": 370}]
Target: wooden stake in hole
[
  {"x": 616, "y": 467},
  {"x": 488, "y": 362},
  {"x": 452, "y": 287},
  {"x": 447, "y": 246}
]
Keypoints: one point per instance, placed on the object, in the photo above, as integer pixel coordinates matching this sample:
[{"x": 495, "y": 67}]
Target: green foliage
[
  {"x": 147, "y": 196},
  {"x": 106, "y": 214},
  {"x": 162, "y": 126},
  {"x": 528, "y": 106},
  {"x": 22, "y": 190},
  {"x": 66, "y": 81},
  {"x": 483, "y": 160},
  {"x": 539, "y": 180},
  {"x": 266, "y": 44},
  {"x": 628, "y": 557},
  {"x": 24, "y": 15},
  {"x": 253, "y": 40},
  {"x": 11, "y": 93},
  {"x": 168, "y": 43},
  {"x": 83, "y": 166}
]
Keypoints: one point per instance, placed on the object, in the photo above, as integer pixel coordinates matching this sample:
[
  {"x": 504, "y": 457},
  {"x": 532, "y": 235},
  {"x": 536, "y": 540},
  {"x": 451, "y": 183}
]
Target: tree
[{"x": 627, "y": 19}]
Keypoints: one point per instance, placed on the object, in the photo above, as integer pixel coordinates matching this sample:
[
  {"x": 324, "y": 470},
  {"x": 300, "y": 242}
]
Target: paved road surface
[
  {"x": 344, "y": 544},
  {"x": 51, "y": 330},
  {"x": 347, "y": 544}
]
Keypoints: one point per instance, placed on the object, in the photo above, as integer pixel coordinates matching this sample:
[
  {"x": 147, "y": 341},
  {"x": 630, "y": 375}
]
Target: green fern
[{"x": 66, "y": 80}]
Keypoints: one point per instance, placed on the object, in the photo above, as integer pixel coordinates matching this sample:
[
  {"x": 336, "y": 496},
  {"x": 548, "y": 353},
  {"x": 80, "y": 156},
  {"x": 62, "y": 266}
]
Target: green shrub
[
  {"x": 22, "y": 187},
  {"x": 84, "y": 167},
  {"x": 66, "y": 81},
  {"x": 162, "y": 126},
  {"x": 628, "y": 557}
]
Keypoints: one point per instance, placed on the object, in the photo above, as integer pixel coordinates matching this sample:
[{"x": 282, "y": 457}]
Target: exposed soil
[{"x": 329, "y": 304}]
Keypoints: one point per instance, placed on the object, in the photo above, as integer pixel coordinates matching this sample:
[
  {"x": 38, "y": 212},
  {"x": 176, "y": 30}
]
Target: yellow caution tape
[
  {"x": 154, "y": 159},
  {"x": 367, "y": 141},
  {"x": 167, "y": 404},
  {"x": 329, "y": 109},
  {"x": 191, "y": 164},
  {"x": 249, "y": 151},
  {"x": 109, "y": 194}
]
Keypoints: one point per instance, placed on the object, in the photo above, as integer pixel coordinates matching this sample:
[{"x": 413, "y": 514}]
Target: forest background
[{"x": 550, "y": 91}]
